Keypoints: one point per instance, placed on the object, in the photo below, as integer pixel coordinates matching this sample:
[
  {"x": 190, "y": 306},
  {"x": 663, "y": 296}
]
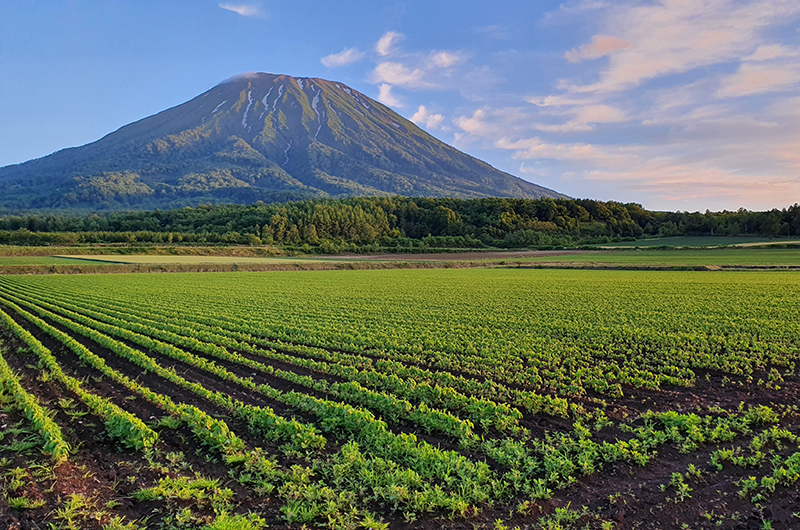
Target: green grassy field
[
  {"x": 749, "y": 257},
  {"x": 429, "y": 398},
  {"x": 700, "y": 241}
]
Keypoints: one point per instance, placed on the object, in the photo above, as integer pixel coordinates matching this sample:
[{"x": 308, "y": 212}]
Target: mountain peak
[{"x": 258, "y": 136}]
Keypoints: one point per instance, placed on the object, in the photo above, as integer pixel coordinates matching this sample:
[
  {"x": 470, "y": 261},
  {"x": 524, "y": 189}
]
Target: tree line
[{"x": 396, "y": 222}]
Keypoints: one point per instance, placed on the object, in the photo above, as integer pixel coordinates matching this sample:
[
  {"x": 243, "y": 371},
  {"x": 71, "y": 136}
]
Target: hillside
[{"x": 257, "y": 137}]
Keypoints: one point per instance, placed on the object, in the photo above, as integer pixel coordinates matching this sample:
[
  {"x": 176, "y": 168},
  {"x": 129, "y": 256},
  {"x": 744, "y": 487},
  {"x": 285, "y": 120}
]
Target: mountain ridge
[{"x": 257, "y": 136}]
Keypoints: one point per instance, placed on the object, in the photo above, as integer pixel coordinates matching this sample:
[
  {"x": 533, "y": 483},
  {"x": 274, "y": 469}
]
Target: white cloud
[
  {"x": 246, "y": 10},
  {"x": 481, "y": 123},
  {"x": 754, "y": 79},
  {"x": 444, "y": 59},
  {"x": 386, "y": 97},
  {"x": 421, "y": 71},
  {"x": 426, "y": 119},
  {"x": 387, "y": 44},
  {"x": 343, "y": 58},
  {"x": 486, "y": 123},
  {"x": 398, "y": 74}
]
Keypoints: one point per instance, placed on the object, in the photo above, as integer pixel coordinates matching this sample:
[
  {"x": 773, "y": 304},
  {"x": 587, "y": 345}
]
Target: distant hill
[{"x": 257, "y": 137}]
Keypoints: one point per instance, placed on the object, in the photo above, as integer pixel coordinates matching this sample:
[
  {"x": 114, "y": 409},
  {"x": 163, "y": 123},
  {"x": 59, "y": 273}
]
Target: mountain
[{"x": 257, "y": 137}]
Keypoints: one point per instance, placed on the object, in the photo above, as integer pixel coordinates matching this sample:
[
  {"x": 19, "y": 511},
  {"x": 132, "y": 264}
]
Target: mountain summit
[{"x": 258, "y": 136}]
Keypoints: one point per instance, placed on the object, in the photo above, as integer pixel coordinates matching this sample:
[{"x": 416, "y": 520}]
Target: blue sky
[{"x": 674, "y": 104}]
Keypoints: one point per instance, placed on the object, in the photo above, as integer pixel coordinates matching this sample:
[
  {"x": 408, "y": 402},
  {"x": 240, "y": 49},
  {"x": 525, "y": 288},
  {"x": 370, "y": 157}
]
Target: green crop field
[{"x": 492, "y": 398}]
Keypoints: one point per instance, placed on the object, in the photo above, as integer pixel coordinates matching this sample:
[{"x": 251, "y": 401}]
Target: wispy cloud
[
  {"x": 399, "y": 74},
  {"x": 600, "y": 46},
  {"x": 673, "y": 36},
  {"x": 494, "y": 31},
  {"x": 766, "y": 52},
  {"x": 444, "y": 59},
  {"x": 755, "y": 79},
  {"x": 572, "y": 8},
  {"x": 245, "y": 10},
  {"x": 343, "y": 58},
  {"x": 388, "y": 43}
]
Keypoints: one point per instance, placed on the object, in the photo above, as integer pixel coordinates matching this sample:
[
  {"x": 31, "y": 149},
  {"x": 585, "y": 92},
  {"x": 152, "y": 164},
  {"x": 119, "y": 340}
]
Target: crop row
[
  {"x": 567, "y": 345},
  {"x": 464, "y": 482},
  {"x": 434, "y": 388},
  {"x": 120, "y": 424},
  {"x": 40, "y": 417}
]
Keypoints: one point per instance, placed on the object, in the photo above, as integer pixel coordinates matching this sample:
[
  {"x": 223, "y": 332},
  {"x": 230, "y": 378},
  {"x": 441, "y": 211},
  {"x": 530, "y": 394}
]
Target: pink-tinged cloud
[
  {"x": 675, "y": 36},
  {"x": 767, "y": 52},
  {"x": 600, "y": 46},
  {"x": 755, "y": 79}
]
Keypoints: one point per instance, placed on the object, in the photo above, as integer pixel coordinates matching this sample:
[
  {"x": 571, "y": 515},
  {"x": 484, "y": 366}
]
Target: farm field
[
  {"x": 746, "y": 257},
  {"x": 187, "y": 259},
  {"x": 42, "y": 260},
  {"x": 703, "y": 241},
  {"x": 455, "y": 398}
]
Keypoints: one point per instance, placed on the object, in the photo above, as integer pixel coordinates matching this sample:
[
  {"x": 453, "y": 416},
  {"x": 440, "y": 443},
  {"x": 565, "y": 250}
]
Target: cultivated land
[
  {"x": 41, "y": 260},
  {"x": 744, "y": 257},
  {"x": 409, "y": 398},
  {"x": 701, "y": 241}
]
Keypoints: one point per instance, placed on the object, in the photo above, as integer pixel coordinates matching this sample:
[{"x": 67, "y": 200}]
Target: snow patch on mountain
[
  {"x": 286, "y": 151},
  {"x": 249, "y": 104},
  {"x": 280, "y": 93},
  {"x": 314, "y": 104},
  {"x": 265, "y": 102},
  {"x": 218, "y": 106}
]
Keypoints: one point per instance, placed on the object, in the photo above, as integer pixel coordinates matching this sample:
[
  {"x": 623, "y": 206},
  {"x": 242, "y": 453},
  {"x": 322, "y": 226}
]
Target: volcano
[{"x": 257, "y": 137}]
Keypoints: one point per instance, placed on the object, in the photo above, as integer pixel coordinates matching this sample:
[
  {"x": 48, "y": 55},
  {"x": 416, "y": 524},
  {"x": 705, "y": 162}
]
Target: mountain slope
[{"x": 258, "y": 137}]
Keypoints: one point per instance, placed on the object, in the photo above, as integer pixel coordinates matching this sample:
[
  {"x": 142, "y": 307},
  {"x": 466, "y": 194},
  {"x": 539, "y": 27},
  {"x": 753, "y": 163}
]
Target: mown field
[
  {"x": 701, "y": 241},
  {"x": 729, "y": 257},
  {"x": 489, "y": 398}
]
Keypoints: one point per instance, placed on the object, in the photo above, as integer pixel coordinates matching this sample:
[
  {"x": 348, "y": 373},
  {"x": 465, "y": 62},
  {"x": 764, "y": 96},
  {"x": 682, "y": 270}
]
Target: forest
[{"x": 396, "y": 223}]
